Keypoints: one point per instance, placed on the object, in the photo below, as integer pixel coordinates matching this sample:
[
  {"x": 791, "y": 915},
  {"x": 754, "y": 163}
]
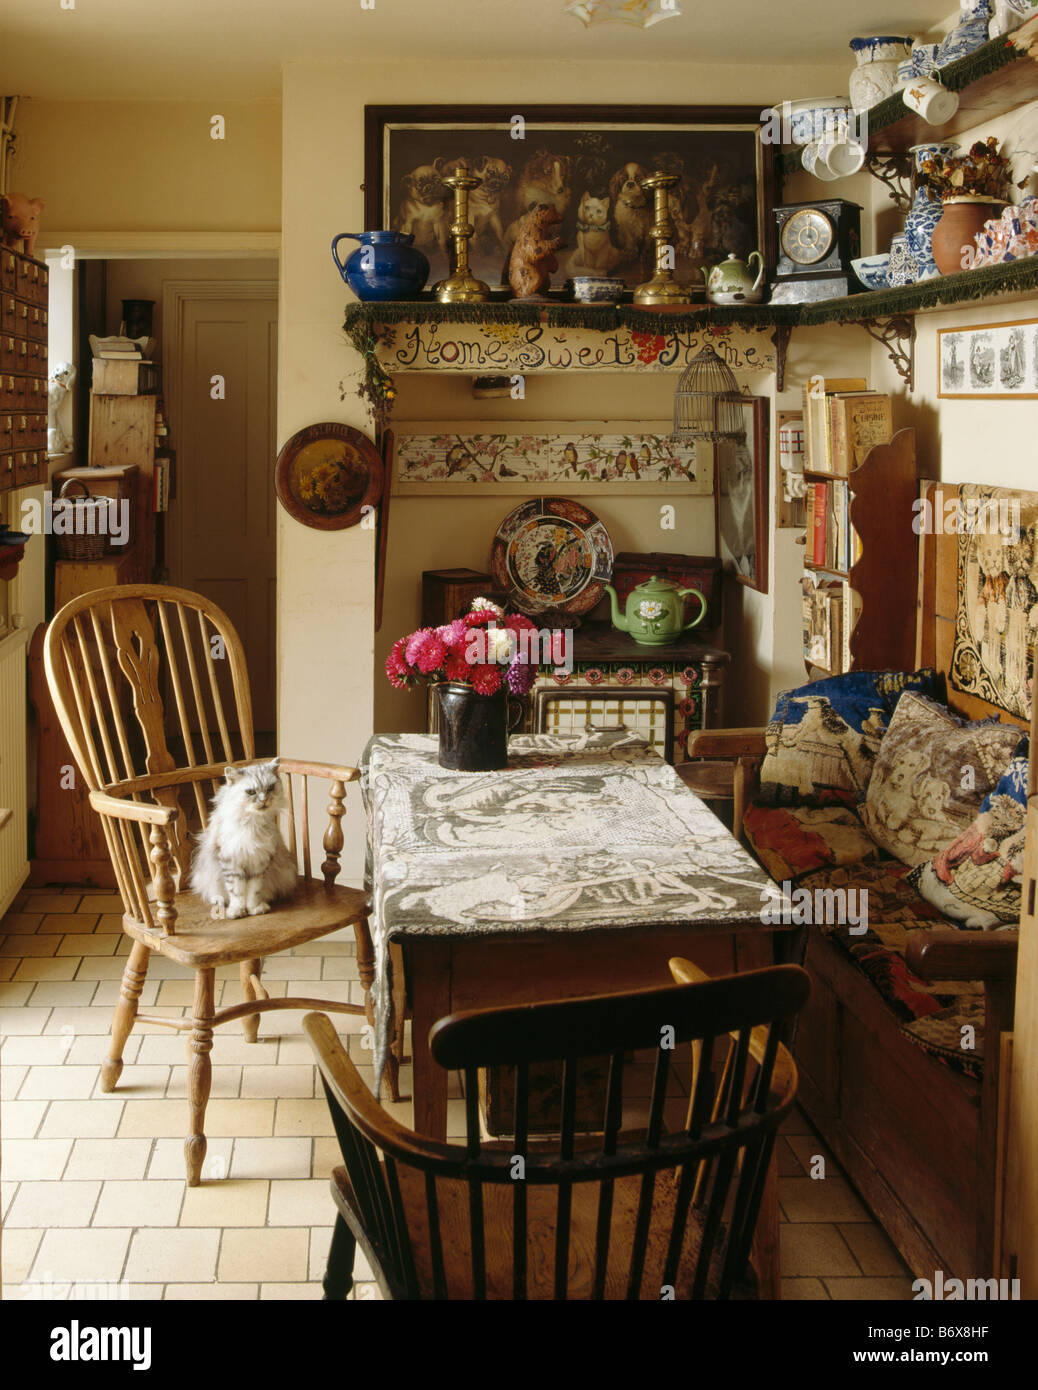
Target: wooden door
[{"x": 223, "y": 537}]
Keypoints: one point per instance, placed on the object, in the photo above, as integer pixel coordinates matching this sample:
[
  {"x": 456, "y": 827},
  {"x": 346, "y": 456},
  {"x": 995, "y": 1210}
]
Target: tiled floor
[{"x": 93, "y": 1197}]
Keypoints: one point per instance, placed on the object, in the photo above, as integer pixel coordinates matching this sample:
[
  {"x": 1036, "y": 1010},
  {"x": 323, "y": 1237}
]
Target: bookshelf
[{"x": 860, "y": 615}]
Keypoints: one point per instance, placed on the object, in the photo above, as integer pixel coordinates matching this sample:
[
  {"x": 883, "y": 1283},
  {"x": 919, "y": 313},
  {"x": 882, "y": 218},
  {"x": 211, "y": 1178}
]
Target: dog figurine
[
  {"x": 632, "y": 212},
  {"x": 423, "y": 211},
  {"x": 595, "y": 253}
]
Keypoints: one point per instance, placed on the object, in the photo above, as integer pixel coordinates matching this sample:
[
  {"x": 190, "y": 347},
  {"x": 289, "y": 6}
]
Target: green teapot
[
  {"x": 732, "y": 281},
  {"x": 655, "y": 613}
]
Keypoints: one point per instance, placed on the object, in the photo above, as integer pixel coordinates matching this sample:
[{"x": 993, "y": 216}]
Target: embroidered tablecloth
[{"x": 578, "y": 833}]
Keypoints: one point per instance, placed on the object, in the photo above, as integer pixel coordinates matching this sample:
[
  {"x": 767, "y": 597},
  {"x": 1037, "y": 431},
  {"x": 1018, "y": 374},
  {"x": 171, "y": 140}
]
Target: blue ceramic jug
[{"x": 385, "y": 266}]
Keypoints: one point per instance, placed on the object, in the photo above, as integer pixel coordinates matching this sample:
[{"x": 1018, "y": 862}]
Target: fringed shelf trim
[
  {"x": 1013, "y": 277},
  {"x": 995, "y": 54}
]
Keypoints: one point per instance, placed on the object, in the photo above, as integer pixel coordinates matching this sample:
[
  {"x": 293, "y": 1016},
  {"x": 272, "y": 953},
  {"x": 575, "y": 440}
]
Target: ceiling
[{"x": 191, "y": 49}]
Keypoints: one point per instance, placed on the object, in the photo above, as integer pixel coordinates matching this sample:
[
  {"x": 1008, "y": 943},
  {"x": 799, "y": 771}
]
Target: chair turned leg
[
  {"x": 199, "y": 1074},
  {"x": 250, "y": 1023},
  {"x": 338, "y": 1278},
  {"x": 125, "y": 1012}
]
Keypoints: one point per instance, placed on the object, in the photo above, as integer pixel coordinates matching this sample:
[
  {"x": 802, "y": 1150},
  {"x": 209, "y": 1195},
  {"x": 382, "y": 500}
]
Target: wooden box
[
  {"x": 447, "y": 594},
  {"x": 126, "y": 378}
]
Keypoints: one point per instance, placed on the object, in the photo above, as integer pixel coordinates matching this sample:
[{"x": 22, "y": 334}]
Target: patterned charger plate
[{"x": 552, "y": 553}]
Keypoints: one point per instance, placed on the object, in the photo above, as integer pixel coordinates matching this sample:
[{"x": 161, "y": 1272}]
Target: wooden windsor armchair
[
  {"x": 664, "y": 1209},
  {"x": 109, "y": 656}
]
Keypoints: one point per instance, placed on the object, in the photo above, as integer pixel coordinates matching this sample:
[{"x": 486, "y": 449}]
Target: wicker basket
[{"x": 87, "y": 539}]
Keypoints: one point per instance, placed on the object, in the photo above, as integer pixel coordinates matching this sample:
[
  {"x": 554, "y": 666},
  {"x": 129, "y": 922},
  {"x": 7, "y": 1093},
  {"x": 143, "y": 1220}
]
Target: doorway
[{"x": 220, "y": 346}]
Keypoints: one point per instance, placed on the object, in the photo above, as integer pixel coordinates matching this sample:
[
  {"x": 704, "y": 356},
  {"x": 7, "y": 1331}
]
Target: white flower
[
  {"x": 482, "y": 605},
  {"x": 500, "y": 645},
  {"x": 649, "y": 609}
]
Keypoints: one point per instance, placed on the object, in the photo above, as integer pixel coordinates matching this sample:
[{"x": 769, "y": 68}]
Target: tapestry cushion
[
  {"x": 954, "y": 1035},
  {"x": 932, "y": 772},
  {"x": 794, "y": 840},
  {"x": 976, "y": 880},
  {"x": 823, "y": 738}
]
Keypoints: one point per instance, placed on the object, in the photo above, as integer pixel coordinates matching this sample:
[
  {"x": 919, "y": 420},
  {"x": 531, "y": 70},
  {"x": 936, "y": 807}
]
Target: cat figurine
[{"x": 242, "y": 864}]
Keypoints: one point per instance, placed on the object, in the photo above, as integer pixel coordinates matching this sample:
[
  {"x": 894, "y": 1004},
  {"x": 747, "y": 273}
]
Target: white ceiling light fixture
[{"x": 641, "y": 13}]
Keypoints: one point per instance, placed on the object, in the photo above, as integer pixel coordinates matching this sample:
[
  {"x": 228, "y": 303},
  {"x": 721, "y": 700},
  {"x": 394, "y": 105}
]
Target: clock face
[{"x": 807, "y": 237}]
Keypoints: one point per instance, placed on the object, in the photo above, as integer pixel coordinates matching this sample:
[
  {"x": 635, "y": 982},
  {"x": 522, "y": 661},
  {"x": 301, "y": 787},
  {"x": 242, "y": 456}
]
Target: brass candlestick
[
  {"x": 462, "y": 287},
  {"x": 662, "y": 289}
]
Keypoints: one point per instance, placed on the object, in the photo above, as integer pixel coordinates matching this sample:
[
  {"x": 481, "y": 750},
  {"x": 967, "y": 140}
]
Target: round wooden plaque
[{"x": 327, "y": 474}]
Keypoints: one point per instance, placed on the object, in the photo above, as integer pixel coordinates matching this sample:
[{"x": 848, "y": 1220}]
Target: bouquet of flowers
[
  {"x": 484, "y": 649},
  {"x": 981, "y": 173}
]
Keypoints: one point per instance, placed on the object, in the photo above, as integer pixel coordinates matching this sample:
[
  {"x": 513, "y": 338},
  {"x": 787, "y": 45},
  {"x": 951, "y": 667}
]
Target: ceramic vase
[
  {"x": 473, "y": 728},
  {"x": 385, "y": 266},
  {"x": 969, "y": 34},
  {"x": 901, "y": 267},
  {"x": 955, "y": 234},
  {"x": 924, "y": 215},
  {"x": 876, "y": 74}
]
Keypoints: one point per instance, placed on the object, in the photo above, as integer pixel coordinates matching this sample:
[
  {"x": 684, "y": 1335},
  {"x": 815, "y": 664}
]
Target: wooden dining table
[{"x": 579, "y": 869}]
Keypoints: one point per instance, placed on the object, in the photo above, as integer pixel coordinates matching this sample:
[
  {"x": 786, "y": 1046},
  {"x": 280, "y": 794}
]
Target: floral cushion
[
  {"x": 823, "y": 738},
  {"x": 794, "y": 840},
  {"x": 930, "y": 777},
  {"x": 976, "y": 880}
]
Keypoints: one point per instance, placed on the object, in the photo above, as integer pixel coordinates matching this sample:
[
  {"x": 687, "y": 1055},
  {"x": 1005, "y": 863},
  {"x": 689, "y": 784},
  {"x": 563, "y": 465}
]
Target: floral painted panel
[
  {"x": 579, "y": 832},
  {"x": 552, "y": 459}
]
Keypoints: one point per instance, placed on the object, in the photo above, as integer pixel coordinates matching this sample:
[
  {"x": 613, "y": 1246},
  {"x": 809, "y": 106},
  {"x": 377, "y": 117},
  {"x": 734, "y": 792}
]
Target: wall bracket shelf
[
  {"x": 897, "y": 335},
  {"x": 895, "y": 171}
]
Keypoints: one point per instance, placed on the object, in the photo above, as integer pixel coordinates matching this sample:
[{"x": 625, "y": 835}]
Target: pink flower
[
  {"x": 425, "y": 650},
  {"x": 456, "y": 668},
  {"x": 486, "y": 680},
  {"x": 452, "y": 634},
  {"x": 396, "y": 667},
  {"x": 480, "y": 618}
]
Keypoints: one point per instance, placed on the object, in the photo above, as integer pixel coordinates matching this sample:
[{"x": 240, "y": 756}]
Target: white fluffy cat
[{"x": 242, "y": 864}]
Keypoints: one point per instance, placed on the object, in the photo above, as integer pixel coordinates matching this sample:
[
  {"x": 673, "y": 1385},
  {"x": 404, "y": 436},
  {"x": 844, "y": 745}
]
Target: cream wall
[
  {"x": 326, "y": 582},
  {"x": 142, "y": 166}
]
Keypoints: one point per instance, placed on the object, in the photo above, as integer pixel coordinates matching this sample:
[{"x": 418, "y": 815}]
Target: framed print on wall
[
  {"x": 996, "y": 361},
  {"x": 741, "y": 497},
  {"x": 585, "y": 161}
]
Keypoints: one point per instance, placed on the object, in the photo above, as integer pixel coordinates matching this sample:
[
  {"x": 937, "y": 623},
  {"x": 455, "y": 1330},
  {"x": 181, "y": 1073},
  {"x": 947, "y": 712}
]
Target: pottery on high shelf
[
  {"x": 733, "y": 282},
  {"x": 924, "y": 215},
  {"x": 900, "y": 267},
  {"x": 954, "y": 237},
  {"x": 969, "y": 34},
  {"x": 385, "y": 266},
  {"x": 878, "y": 58}
]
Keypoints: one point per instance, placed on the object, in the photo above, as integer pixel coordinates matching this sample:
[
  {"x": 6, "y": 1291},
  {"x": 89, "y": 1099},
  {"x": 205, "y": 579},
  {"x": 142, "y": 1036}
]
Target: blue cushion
[{"x": 823, "y": 737}]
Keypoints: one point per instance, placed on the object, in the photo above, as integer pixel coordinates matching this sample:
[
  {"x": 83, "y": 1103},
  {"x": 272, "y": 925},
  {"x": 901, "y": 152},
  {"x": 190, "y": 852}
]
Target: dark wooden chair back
[{"x": 661, "y": 1207}]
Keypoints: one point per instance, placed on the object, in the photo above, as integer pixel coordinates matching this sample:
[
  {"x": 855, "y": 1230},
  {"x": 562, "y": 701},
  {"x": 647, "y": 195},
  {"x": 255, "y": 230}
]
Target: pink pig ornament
[{"x": 21, "y": 221}]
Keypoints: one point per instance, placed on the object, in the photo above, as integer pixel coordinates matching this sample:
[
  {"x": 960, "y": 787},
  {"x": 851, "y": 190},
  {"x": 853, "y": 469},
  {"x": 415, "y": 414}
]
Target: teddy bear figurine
[
  {"x": 21, "y": 221},
  {"x": 533, "y": 255}
]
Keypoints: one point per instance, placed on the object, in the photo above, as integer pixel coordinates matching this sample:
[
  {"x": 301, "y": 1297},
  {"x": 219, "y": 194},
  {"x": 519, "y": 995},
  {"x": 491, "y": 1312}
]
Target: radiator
[{"x": 14, "y": 864}]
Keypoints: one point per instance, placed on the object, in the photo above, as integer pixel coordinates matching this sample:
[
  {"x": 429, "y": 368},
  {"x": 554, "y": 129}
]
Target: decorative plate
[
  {"x": 552, "y": 553},
  {"x": 327, "y": 474}
]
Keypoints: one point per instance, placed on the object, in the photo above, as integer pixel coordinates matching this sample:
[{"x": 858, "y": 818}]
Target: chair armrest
[
  {"x": 727, "y": 743},
  {"x": 332, "y": 771},
  {"x": 962, "y": 955},
  {"x": 145, "y": 812}
]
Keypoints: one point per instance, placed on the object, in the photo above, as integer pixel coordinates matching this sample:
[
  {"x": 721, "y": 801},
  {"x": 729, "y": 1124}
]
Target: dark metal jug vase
[{"x": 474, "y": 728}]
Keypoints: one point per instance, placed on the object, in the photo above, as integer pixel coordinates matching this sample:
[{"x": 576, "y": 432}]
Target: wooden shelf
[{"x": 991, "y": 81}]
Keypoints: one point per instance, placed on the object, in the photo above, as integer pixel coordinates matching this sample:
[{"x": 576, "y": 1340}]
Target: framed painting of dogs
[{"x": 586, "y": 162}]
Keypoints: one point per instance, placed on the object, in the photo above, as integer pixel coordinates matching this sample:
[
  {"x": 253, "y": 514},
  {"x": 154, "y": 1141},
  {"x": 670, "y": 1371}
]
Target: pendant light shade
[
  {"x": 706, "y": 404},
  {"x": 643, "y": 13}
]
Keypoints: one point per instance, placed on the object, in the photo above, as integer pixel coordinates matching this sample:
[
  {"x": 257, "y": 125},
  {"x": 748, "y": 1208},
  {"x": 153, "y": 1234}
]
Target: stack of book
[{"x": 843, "y": 420}]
